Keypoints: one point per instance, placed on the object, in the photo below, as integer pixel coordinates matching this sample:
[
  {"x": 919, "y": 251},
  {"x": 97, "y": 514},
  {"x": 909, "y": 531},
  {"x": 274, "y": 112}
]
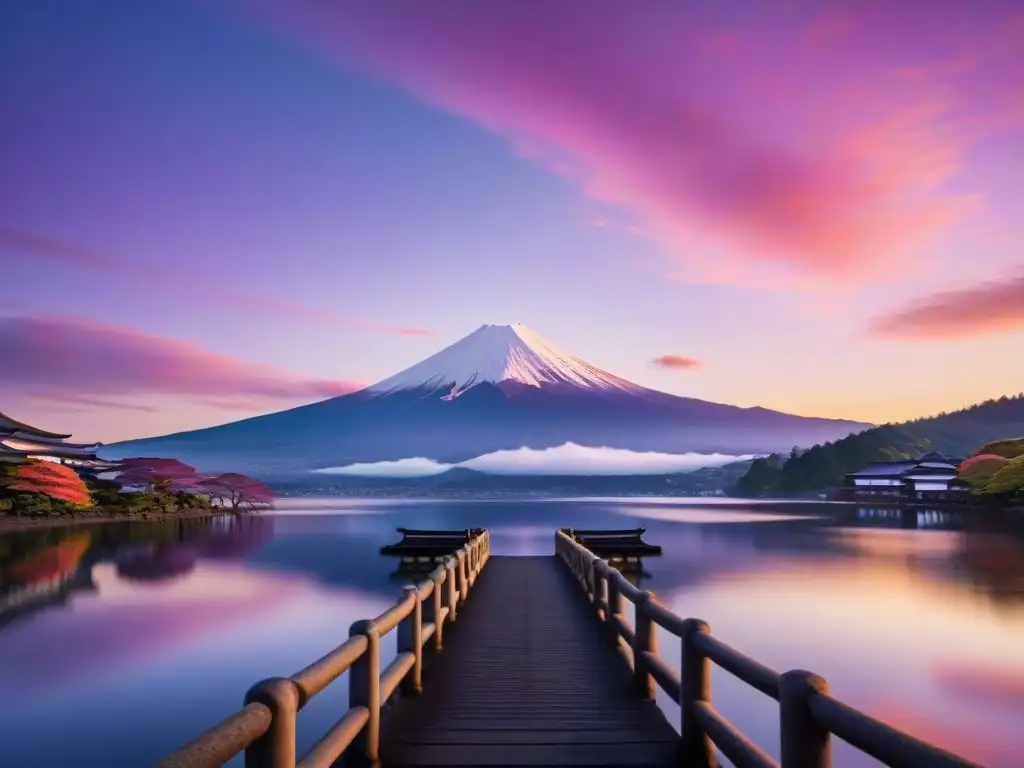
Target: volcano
[{"x": 501, "y": 387}]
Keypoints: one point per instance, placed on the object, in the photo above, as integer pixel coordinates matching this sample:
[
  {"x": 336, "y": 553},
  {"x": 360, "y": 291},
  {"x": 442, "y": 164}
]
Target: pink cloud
[
  {"x": 765, "y": 144},
  {"x": 36, "y": 246},
  {"x": 68, "y": 358},
  {"x": 984, "y": 308},
  {"x": 676, "y": 361}
]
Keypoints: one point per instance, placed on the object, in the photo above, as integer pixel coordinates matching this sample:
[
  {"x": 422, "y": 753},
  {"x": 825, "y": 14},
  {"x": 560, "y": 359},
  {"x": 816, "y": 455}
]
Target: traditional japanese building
[
  {"x": 930, "y": 478},
  {"x": 20, "y": 442}
]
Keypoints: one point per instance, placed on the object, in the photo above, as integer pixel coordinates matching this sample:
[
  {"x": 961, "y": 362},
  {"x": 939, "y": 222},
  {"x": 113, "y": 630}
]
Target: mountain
[
  {"x": 957, "y": 434},
  {"x": 501, "y": 387}
]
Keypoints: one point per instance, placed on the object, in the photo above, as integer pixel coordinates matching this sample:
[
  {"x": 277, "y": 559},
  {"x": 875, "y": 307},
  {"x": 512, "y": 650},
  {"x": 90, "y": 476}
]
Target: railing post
[
  {"x": 695, "y": 675},
  {"x": 592, "y": 581},
  {"x": 804, "y": 743},
  {"x": 450, "y": 564},
  {"x": 463, "y": 580},
  {"x": 436, "y": 604},
  {"x": 364, "y": 691},
  {"x": 275, "y": 748},
  {"x": 614, "y": 607},
  {"x": 645, "y": 640},
  {"x": 600, "y": 586},
  {"x": 410, "y": 640}
]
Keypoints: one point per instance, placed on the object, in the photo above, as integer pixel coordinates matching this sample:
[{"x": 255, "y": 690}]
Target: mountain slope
[
  {"x": 501, "y": 387},
  {"x": 956, "y": 434}
]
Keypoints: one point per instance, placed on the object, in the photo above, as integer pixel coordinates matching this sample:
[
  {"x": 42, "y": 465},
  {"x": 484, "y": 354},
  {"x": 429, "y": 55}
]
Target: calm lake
[{"x": 120, "y": 642}]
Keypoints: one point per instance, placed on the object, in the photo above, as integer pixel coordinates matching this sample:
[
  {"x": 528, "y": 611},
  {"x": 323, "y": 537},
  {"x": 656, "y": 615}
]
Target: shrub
[
  {"x": 1009, "y": 480},
  {"x": 1010, "y": 448},
  {"x": 978, "y": 470}
]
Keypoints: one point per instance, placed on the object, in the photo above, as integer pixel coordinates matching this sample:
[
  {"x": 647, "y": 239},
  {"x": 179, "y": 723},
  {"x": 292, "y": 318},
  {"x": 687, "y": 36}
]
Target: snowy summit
[{"x": 501, "y": 355}]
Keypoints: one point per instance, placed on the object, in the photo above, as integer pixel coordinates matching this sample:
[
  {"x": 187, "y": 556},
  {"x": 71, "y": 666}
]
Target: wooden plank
[
  {"x": 537, "y": 736},
  {"x": 549, "y": 755},
  {"x": 527, "y": 678}
]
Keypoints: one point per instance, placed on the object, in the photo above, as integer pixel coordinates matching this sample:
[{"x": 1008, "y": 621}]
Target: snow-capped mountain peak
[{"x": 501, "y": 354}]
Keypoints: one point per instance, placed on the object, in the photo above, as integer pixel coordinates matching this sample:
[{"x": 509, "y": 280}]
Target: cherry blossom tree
[
  {"x": 157, "y": 475},
  {"x": 236, "y": 490},
  {"x": 57, "y": 481}
]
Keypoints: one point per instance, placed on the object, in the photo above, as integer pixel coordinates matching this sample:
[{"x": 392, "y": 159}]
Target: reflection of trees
[
  {"x": 48, "y": 562},
  {"x": 994, "y": 563},
  {"x": 239, "y": 537},
  {"x": 44, "y": 568},
  {"x": 229, "y": 538},
  {"x": 159, "y": 563},
  {"x": 43, "y": 574}
]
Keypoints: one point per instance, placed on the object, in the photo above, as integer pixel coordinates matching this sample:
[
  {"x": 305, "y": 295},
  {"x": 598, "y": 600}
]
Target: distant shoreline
[{"x": 11, "y": 524}]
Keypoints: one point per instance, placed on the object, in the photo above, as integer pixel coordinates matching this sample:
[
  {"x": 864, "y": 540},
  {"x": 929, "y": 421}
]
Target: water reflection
[{"x": 112, "y": 630}]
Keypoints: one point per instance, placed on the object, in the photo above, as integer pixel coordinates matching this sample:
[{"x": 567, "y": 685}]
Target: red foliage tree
[
  {"x": 978, "y": 470},
  {"x": 155, "y": 474},
  {"x": 236, "y": 490},
  {"x": 57, "y": 481}
]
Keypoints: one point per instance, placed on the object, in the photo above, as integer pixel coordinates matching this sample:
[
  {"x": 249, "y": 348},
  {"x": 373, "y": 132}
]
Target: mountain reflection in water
[{"x": 130, "y": 638}]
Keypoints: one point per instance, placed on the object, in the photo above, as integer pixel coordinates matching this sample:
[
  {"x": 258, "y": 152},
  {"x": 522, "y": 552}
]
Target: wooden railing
[
  {"x": 808, "y": 715},
  {"x": 265, "y": 726}
]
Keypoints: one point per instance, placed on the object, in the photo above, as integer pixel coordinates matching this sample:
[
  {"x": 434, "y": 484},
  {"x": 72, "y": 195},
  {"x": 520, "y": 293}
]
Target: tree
[
  {"x": 763, "y": 477},
  {"x": 56, "y": 481},
  {"x": 979, "y": 470},
  {"x": 1010, "y": 448},
  {"x": 236, "y": 490},
  {"x": 1009, "y": 480},
  {"x": 157, "y": 475}
]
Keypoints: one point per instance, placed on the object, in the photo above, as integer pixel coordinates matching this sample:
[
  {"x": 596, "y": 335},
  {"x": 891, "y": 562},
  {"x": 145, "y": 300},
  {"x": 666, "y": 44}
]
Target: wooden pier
[
  {"x": 541, "y": 667},
  {"x": 526, "y": 681}
]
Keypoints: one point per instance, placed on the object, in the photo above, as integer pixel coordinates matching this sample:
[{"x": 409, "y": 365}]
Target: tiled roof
[
  {"x": 9, "y": 424},
  {"x": 885, "y": 469}
]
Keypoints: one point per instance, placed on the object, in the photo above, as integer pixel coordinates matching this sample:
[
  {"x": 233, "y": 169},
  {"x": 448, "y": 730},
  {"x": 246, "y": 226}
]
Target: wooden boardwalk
[
  {"x": 527, "y": 678},
  {"x": 521, "y": 670}
]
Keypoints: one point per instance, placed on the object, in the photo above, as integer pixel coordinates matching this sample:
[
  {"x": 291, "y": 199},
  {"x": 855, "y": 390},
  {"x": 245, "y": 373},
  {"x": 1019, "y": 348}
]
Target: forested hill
[{"x": 955, "y": 434}]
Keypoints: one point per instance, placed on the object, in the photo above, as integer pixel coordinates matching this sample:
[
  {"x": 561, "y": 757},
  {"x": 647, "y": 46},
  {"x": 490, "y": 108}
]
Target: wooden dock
[
  {"x": 526, "y": 679},
  {"x": 534, "y": 662}
]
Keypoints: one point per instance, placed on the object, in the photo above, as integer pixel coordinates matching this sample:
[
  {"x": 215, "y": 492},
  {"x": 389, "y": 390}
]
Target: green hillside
[{"x": 957, "y": 434}]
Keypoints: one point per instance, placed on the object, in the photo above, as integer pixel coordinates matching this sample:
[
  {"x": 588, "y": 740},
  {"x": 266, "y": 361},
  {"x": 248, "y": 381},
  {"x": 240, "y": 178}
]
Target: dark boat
[
  {"x": 612, "y": 545},
  {"x": 429, "y": 544}
]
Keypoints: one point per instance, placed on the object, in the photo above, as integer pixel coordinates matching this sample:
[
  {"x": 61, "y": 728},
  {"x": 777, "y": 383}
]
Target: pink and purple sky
[{"x": 215, "y": 208}]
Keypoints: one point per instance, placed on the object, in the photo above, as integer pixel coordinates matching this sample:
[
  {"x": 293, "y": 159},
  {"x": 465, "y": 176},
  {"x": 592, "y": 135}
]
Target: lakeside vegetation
[
  {"x": 982, "y": 428},
  {"x": 140, "y": 488}
]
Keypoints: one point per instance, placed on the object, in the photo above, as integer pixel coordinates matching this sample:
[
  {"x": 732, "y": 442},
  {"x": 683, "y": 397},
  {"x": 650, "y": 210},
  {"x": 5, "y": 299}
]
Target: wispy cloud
[
  {"x": 676, "y": 361},
  {"x": 991, "y": 307},
  {"x": 73, "y": 360},
  {"x": 71, "y": 401},
  {"x": 36, "y": 246},
  {"x": 42, "y": 247},
  {"x": 761, "y": 169}
]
